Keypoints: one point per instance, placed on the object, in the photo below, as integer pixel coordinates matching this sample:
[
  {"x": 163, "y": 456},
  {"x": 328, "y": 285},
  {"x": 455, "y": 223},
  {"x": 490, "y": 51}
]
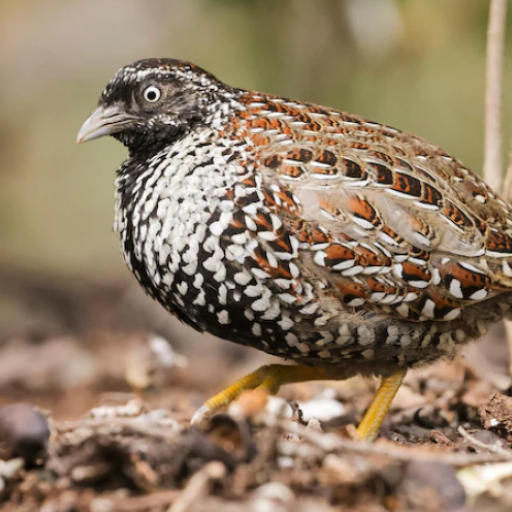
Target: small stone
[
  {"x": 434, "y": 482},
  {"x": 273, "y": 496},
  {"x": 25, "y": 431},
  {"x": 323, "y": 409},
  {"x": 496, "y": 414},
  {"x": 489, "y": 438}
]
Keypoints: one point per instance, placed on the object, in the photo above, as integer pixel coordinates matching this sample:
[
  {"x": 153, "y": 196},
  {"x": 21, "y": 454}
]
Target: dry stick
[
  {"x": 493, "y": 156},
  {"x": 493, "y": 161},
  {"x": 137, "y": 503},
  {"x": 198, "y": 486},
  {"x": 489, "y": 448},
  {"x": 507, "y": 195},
  {"x": 331, "y": 443}
]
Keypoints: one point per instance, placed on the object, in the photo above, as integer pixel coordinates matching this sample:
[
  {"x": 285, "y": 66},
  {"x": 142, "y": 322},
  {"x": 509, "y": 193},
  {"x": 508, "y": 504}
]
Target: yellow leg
[
  {"x": 269, "y": 378},
  {"x": 369, "y": 428}
]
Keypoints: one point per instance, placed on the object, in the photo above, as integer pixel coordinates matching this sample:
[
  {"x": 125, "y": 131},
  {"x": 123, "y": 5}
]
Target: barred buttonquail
[{"x": 342, "y": 244}]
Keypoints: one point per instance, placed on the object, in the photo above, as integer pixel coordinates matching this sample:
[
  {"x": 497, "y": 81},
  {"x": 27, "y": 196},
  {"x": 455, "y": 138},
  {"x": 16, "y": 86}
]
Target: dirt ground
[{"x": 117, "y": 382}]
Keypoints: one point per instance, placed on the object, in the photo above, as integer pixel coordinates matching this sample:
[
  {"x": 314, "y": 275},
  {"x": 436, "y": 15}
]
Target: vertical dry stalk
[{"x": 493, "y": 159}]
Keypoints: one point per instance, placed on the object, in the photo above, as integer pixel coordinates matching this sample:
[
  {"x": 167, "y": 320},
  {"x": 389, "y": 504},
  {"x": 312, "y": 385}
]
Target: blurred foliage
[{"x": 415, "y": 64}]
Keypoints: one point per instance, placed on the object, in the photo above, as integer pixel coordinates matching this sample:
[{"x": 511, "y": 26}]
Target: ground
[{"x": 117, "y": 385}]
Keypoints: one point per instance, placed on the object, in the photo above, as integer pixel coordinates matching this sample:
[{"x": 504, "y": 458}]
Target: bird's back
[{"x": 420, "y": 235}]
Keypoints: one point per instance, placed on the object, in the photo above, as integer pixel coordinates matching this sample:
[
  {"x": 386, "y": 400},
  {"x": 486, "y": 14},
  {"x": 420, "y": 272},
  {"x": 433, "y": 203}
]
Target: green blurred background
[{"x": 414, "y": 64}]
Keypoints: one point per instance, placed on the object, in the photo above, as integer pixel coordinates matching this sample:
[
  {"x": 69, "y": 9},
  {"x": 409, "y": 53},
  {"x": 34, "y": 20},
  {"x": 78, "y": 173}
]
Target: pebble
[{"x": 25, "y": 431}]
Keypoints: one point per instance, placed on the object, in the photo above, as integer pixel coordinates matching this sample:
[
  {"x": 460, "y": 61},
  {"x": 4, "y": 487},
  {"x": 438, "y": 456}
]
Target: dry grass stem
[{"x": 493, "y": 160}]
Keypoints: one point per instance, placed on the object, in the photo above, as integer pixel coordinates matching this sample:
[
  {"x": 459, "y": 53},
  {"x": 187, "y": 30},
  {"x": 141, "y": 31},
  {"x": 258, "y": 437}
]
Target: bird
[{"x": 342, "y": 245}]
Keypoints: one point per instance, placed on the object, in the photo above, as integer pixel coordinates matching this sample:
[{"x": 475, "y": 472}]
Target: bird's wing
[{"x": 399, "y": 226}]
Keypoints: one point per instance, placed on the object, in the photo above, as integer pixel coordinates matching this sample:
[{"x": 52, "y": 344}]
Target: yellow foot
[
  {"x": 369, "y": 427},
  {"x": 268, "y": 378}
]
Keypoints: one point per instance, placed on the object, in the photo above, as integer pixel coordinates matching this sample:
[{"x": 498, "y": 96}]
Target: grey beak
[{"x": 103, "y": 121}]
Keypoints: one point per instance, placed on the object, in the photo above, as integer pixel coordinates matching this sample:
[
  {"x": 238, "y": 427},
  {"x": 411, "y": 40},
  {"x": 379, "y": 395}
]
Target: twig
[
  {"x": 489, "y": 448},
  {"x": 198, "y": 486},
  {"x": 164, "y": 431},
  {"x": 331, "y": 443},
  {"x": 493, "y": 159},
  {"x": 493, "y": 156},
  {"x": 136, "y": 503}
]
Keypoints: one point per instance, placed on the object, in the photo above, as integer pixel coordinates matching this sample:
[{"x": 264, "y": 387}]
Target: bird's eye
[{"x": 152, "y": 94}]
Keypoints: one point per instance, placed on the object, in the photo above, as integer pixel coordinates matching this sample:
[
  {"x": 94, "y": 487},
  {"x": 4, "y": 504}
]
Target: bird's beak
[{"x": 103, "y": 121}]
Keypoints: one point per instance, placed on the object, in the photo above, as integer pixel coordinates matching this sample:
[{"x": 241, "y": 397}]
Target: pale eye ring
[{"x": 152, "y": 94}]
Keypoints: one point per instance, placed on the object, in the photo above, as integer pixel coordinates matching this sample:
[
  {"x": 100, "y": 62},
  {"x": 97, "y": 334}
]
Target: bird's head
[{"x": 153, "y": 101}]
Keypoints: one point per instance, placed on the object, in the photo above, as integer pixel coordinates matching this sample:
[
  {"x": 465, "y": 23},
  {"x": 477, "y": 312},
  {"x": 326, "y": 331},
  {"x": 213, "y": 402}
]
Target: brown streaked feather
[{"x": 402, "y": 228}]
